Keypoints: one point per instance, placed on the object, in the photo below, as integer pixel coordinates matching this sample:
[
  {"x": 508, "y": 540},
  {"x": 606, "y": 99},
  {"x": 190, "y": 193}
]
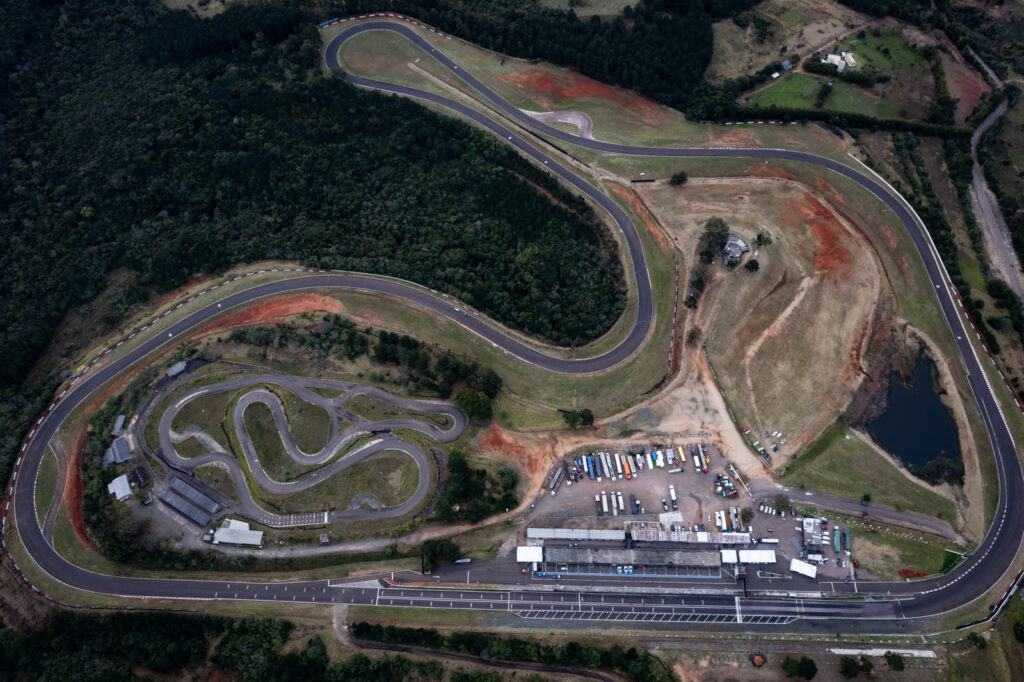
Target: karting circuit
[
  {"x": 327, "y": 459},
  {"x": 756, "y": 606}
]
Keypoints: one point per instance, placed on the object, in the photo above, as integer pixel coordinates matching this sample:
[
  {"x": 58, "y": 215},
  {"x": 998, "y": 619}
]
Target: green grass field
[
  {"x": 376, "y": 409},
  {"x": 886, "y": 555},
  {"x": 884, "y": 53},
  {"x": 840, "y": 463},
  {"x": 391, "y": 476},
  {"x": 219, "y": 479},
  {"x": 310, "y": 424},
  {"x": 190, "y": 447},
  {"x": 798, "y": 91},
  {"x": 266, "y": 441},
  {"x": 46, "y": 484}
]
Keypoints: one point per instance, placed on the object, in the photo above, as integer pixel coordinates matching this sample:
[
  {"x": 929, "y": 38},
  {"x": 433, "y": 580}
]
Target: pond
[{"x": 918, "y": 429}]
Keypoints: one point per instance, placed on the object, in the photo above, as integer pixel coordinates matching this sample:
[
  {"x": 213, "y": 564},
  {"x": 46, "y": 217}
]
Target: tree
[
  {"x": 866, "y": 497},
  {"x": 434, "y": 551},
  {"x": 866, "y": 665},
  {"x": 747, "y": 515},
  {"x": 763, "y": 239},
  {"x": 678, "y": 178},
  {"x": 586, "y": 417},
  {"x": 848, "y": 667},
  {"x": 895, "y": 661},
  {"x": 782, "y": 502},
  {"x": 977, "y": 640},
  {"x": 571, "y": 417},
  {"x": 1018, "y": 631},
  {"x": 475, "y": 404},
  {"x": 693, "y": 336},
  {"x": 752, "y": 265},
  {"x": 807, "y": 669}
]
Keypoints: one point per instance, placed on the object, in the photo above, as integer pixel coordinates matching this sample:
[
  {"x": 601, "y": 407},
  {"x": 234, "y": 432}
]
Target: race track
[{"x": 966, "y": 583}]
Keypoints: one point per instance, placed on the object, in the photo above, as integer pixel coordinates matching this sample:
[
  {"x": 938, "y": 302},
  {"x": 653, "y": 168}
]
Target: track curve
[{"x": 966, "y": 583}]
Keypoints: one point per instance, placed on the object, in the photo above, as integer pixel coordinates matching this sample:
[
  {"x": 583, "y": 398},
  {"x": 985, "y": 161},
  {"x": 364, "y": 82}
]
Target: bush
[
  {"x": 895, "y": 661},
  {"x": 753, "y": 265},
  {"x": 977, "y": 640},
  {"x": 678, "y": 178},
  {"x": 804, "y": 668},
  {"x": 848, "y": 667},
  {"x": 475, "y": 404}
]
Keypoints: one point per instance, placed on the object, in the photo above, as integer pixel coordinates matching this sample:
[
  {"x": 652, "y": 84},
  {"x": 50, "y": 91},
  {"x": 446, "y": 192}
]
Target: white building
[
  {"x": 836, "y": 61},
  {"x": 233, "y": 532},
  {"x": 120, "y": 488}
]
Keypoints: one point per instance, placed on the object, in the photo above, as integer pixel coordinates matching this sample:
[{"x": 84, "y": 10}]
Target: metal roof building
[
  {"x": 185, "y": 508},
  {"x": 120, "y": 488},
  {"x": 118, "y": 425},
  {"x": 575, "y": 534},
  {"x": 803, "y": 568},
  {"x": 812, "y": 533},
  {"x": 647, "y": 557},
  {"x": 199, "y": 499},
  {"x": 233, "y": 532},
  {"x": 529, "y": 554}
]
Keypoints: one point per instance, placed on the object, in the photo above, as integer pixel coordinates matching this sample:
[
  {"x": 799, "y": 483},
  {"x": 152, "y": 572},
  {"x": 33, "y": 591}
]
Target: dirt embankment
[{"x": 899, "y": 352}]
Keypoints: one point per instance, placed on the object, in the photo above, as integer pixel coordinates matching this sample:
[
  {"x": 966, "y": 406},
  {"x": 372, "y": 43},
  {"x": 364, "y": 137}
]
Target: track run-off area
[{"x": 971, "y": 580}]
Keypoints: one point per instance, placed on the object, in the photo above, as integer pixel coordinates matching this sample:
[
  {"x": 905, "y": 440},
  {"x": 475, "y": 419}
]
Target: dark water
[{"x": 918, "y": 429}]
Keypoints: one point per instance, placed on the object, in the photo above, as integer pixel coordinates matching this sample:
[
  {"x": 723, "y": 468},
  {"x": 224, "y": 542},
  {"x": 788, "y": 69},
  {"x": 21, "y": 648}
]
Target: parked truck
[
  {"x": 627, "y": 467},
  {"x": 681, "y": 456},
  {"x": 597, "y": 503},
  {"x": 586, "y": 466},
  {"x": 696, "y": 463},
  {"x": 618, "y": 464},
  {"x": 597, "y": 464},
  {"x": 622, "y": 504},
  {"x": 846, "y": 540},
  {"x": 835, "y": 540},
  {"x": 555, "y": 480},
  {"x": 650, "y": 461},
  {"x": 672, "y": 496},
  {"x": 604, "y": 503}
]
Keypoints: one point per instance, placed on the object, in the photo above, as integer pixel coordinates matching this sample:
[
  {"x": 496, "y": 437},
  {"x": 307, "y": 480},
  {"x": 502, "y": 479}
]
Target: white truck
[
  {"x": 672, "y": 496},
  {"x": 604, "y": 503}
]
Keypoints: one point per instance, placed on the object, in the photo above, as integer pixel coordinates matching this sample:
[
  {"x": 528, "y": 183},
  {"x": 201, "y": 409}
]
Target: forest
[{"x": 123, "y": 647}]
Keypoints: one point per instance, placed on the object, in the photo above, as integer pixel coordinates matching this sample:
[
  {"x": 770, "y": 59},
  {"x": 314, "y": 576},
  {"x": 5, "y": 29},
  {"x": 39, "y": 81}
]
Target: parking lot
[{"x": 581, "y": 503}]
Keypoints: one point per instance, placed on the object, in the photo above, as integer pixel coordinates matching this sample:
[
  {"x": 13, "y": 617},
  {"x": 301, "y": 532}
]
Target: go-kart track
[
  {"x": 326, "y": 460},
  {"x": 914, "y": 600}
]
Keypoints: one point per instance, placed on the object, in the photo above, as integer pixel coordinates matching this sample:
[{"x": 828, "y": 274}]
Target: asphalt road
[
  {"x": 340, "y": 439},
  {"x": 967, "y": 582}
]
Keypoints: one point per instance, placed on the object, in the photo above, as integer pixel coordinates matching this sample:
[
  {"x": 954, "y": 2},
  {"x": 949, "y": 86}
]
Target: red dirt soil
[
  {"x": 965, "y": 85},
  {"x": 282, "y": 306},
  {"x": 743, "y": 137},
  {"x": 638, "y": 206},
  {"x": 538, "y": 83},
  {"x": 532, "y": 460},
  {"x": 769, "y": 172},
  {"x": 73, "y": 490}
]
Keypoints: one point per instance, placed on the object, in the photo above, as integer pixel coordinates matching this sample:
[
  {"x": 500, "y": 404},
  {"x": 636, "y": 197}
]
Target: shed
[
  {"x": 787, "y": 65},
  {"x": 118, "y": 425},
  {"x": 233, "y": 532},
  {"x": 803, "y": 568},
  {"x": 122, "y": 453},
  {"x": 529, "y": 555},
  {"x": 120, "y": 488},
  {"x": 729, "y": 556},
  {"x": 735, "y": 248},
  {"x": 176, "y": 369}
]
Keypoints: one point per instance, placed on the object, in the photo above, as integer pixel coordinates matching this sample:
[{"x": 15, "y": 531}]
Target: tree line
[
  {"x": 124, "y": 647},
  {"x": 636, "y": 664}
]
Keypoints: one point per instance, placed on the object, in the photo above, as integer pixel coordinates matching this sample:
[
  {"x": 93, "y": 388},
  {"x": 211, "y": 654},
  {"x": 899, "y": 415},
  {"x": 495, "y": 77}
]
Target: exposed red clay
[
  {"x": 641, "y": 210},
  {"x": 769, "y": 172},
  {"x": 540, "y": 82},
  {"x": 276, "y": 308},
  {"x": 742, "y": 137}
]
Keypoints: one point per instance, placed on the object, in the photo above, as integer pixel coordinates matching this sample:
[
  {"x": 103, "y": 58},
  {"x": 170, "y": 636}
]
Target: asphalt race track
[
  {"x": 302, "y": 387},
  {"x": 967, "y": 582}
]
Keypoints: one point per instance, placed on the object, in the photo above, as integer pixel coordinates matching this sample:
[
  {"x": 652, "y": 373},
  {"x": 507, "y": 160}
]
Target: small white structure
[
  {"x": 836, "y": 61},
  {"x": 120, "y": 488},
  {"x": 850, "y": 61},
  {"x": 757, "y": 556},
  {"x": 529, "y": 555},
  {"x": 803, "y": 568},
  {"x": 775, "y": 75},
  {"x": 176, "y": 369},
  {"x": 234, "y": 532},
  {"x": 729, "y": 556}
]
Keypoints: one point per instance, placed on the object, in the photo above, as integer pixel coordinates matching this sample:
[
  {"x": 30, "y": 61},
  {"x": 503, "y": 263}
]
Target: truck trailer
[
  {"x": 672, "y": 496},
  {"x": 627, "y": 467},
  {"x": 618, "y": 464},
  {"x": 696, "y": 463},
  {"x": 650, "y": 461},
  {"x": 604, "y": 503}
]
